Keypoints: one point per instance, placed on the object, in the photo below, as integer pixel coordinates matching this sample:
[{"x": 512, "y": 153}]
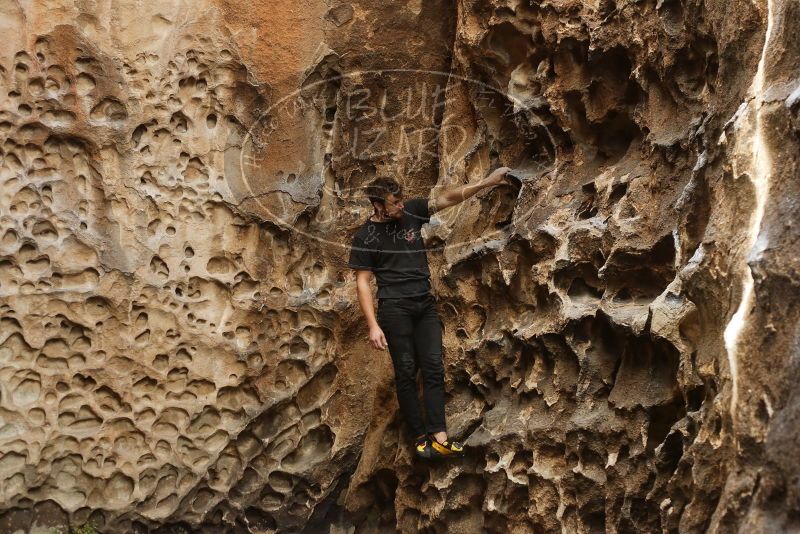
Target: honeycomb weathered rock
[{"x": 181, "y": 348}]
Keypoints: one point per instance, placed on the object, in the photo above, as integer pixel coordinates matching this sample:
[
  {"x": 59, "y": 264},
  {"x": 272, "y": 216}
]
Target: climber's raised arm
[{"x": 455, "y": 195}]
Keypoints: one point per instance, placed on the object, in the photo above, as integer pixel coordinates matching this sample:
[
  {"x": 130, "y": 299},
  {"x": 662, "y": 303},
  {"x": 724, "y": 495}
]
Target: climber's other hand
[{"x": 377, "y": 338}]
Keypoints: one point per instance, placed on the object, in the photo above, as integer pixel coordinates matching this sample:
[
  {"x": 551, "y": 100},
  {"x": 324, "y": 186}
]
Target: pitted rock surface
[{"x": 181, "y": 346}]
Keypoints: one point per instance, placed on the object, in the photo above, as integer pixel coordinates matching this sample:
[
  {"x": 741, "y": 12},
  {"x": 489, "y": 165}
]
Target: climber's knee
[
  {"x": 405, "y": 369},
  {"x": 432, "y": 363}
]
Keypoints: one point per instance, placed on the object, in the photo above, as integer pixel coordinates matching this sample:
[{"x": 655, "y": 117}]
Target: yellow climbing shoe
[
  {"x": 449, "y": 448},
  {"x": 422, "y": 447}
]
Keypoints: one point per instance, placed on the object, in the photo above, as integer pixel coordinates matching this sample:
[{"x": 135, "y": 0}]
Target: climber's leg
[
  {"x": 395, "y": 319},
  {"x": 428, "y": 342},
  {"x": 428, "y": 345}
]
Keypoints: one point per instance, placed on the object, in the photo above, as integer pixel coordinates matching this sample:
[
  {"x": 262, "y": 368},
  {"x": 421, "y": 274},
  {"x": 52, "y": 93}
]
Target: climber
[{"x": 389, "y": 244}]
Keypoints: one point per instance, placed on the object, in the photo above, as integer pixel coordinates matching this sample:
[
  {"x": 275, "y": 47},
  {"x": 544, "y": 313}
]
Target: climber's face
[{"x": 393, "y": 206}]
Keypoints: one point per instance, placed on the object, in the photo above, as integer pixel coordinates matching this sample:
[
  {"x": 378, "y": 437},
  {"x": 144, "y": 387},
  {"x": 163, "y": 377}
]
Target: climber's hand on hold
[
  {"x": 497, "y": 176},
  {"x": 377, "y": 338},
  {"x": 513, "y": 180},
  {"x": 455, "y": 195}
]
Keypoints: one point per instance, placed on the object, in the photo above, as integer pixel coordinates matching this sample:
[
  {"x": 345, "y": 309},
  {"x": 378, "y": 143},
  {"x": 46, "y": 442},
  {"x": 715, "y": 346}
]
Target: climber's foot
[
  {"x": 422, "y": 446},
  {"x": 446, "y": 449}
]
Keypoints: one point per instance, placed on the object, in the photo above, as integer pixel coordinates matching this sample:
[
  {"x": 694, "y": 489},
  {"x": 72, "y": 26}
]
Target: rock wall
[{"x": 181, "y": 346}]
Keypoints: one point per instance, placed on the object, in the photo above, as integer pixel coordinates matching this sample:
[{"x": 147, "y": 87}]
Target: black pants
[{"x": 413, "y": 332}]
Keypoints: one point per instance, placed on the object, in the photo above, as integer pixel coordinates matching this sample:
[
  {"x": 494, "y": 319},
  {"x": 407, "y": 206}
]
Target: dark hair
[{"x": 381, "y": 187}]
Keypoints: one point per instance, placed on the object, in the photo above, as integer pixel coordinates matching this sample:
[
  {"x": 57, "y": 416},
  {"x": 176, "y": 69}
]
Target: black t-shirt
[{"x": 394, "y": 251}]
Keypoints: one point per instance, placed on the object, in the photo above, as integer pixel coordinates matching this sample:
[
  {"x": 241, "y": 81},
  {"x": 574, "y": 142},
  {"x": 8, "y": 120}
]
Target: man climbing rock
[{"x": 389, "y": 244}]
